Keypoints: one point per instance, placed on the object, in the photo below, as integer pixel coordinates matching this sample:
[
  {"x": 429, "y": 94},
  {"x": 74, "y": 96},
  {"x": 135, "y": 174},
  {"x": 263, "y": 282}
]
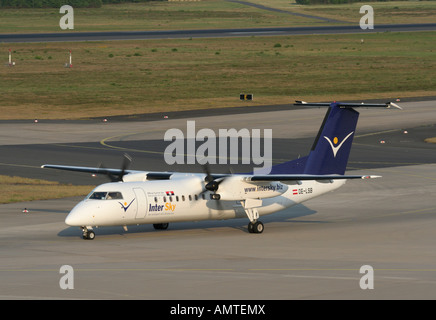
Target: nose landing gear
[{"x": 88, "y": 233}]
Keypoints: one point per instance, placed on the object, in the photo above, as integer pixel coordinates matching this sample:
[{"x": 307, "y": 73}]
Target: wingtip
[
  {"x": 394, "y": 105},
  {"x": 371, "y": 177}
]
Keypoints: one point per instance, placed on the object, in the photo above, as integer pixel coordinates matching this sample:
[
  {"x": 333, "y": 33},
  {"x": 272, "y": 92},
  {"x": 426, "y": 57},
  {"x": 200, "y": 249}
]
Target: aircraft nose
[
  {"x": 77, "y": 217},
  {"x": 72, "y": 219}
]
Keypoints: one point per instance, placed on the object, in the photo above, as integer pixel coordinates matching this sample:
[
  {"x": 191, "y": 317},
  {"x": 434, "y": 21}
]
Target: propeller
[
  {"x": 118, "y": 177},
  {"x": 206, "y": 169},
  {"x": 212, "y": 184},
  {"x": 126, "y": 162}
]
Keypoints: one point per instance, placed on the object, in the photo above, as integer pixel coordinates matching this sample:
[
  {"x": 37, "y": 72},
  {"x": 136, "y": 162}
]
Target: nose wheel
[{"x": 87, "y": 233}]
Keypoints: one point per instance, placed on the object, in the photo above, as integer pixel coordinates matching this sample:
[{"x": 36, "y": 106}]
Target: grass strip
[
  {"x": 18, "y": 189},
  {"x": 135, "y": 77}
]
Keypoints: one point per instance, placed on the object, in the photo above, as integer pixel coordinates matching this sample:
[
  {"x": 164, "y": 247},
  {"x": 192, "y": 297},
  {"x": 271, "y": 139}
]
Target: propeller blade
[
  {"x": 212, "y": 185},
  {"x": 206, "y": 170},
  {"x": 126, "y": 162},
  {"x": 117, "y": 177},
  {"x": 111, "y": 177}
]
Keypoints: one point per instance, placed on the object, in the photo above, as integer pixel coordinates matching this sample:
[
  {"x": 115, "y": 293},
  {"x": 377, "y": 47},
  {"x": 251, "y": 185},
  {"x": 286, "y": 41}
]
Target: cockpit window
[
  {"x": 114, "y": 195},
  {"x": 98, "y": 195}
]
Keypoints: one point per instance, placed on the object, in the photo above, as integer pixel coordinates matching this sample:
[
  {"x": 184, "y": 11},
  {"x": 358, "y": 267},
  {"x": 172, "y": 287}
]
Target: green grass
[
  {"x": 384, "y": 12},
  {"x": 17, "y": 189},
  {"x": 390, "y": 12},
  {"x": 163, "y": 15},
  {"x": 130, "y": 77},
  {"x": 154, "y": 15}
]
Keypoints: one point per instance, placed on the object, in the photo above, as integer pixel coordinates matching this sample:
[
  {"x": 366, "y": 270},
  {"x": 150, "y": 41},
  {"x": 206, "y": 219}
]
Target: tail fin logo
[{"x": 335, "y": 149}]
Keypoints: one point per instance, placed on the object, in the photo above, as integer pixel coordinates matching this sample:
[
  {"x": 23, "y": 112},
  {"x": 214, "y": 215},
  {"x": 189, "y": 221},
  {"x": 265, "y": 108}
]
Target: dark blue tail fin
[{"x": 332, "y": 146}]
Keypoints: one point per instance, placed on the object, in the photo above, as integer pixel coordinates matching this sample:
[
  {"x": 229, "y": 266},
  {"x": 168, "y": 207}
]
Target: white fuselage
[{"x": 182, "y": 199}]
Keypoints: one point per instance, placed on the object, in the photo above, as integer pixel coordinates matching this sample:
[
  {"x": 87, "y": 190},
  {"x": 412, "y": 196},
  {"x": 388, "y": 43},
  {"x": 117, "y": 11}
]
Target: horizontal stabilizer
[
  {"x": 387, "y": 105},
  {"x": 295, "y": 177}
]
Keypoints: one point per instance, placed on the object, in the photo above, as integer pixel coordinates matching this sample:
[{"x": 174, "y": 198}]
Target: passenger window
[
  {"x": 183, "y": 198},
  {"x": 177, "y": 198},
  {"x": 196, "y": 197},
  {"x": 155, "y": 199},
  {"x": 171, "y": 199},
  {"x": 203, "y": 196},
  {"x": 164, "y": 199},
  {"x": 190, "y": 198}
]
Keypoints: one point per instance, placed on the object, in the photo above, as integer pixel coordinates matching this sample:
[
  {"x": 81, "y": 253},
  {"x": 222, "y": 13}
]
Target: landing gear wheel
[
  {"x": 88, "y": 234},
  {"x": 256, "y": 227},
  {"x": 250, "y": 227},
  {"x": 160, "y": 226}
]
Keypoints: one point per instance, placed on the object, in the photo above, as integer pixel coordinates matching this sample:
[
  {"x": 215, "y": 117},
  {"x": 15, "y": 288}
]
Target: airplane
[{"x": 159, "y": 198}]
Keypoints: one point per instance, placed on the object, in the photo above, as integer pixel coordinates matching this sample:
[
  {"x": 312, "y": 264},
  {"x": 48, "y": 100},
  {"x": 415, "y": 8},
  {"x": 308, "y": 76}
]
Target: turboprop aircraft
[{"x": 160, "y": 198}]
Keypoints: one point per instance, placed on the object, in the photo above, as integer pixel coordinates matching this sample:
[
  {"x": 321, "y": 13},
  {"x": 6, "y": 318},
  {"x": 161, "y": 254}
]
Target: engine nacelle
[
  {"x": 139, "y": 176},
  {"x": 237, "y": 188}
]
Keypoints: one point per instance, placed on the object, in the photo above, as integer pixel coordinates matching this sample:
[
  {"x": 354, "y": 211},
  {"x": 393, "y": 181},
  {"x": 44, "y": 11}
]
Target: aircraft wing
[
  {"x": 87, "y": 169},
  {"x": 234, "y": 188},
  {"x": 167, "y": 175},
  {"x": 155, "y": 175}
]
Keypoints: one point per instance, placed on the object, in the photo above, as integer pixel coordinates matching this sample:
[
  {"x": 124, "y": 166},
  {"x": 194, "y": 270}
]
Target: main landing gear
[{"x": 255, "y": 227}]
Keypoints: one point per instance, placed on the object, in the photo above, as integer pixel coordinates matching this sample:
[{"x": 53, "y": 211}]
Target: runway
[
  {"x": 208, "y": 33},
  {"x": 312, "y": 251}
]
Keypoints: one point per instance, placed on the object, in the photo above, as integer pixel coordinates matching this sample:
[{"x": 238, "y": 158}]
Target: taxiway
[{"x": 312, "y": 251}]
